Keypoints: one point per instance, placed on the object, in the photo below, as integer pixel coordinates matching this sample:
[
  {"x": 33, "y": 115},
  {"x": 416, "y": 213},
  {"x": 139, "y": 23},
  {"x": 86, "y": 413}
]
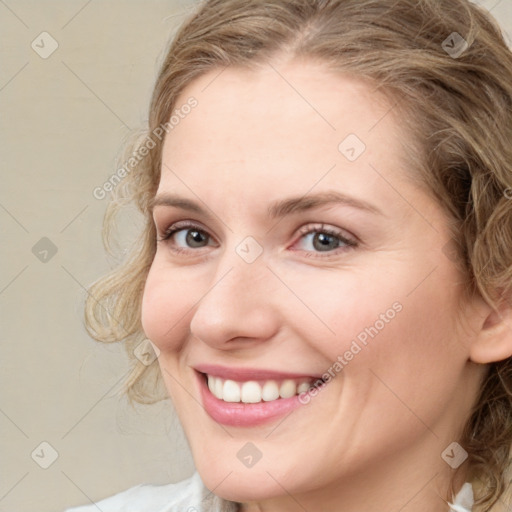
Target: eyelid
[
  {"x": 332, "y": 230},
  {"x": 174, "y": 227},
  {"x": 350, "y": 241}
]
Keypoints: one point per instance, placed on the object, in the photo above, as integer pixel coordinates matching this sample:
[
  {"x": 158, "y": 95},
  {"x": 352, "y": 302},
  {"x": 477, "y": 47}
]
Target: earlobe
[{"x": 493, "y": 342}]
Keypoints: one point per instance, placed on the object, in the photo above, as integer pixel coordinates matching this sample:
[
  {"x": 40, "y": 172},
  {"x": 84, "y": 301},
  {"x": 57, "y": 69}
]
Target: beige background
[{"x": 63, "y": 120}]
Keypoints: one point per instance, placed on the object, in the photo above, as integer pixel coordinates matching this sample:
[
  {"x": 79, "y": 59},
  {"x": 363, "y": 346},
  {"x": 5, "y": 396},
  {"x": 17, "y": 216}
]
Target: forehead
[{"x": 295, "y": 125}]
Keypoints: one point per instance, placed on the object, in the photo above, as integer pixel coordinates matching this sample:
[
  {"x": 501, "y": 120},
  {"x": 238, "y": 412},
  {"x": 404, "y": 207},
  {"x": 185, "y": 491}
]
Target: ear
[{"x": 493, "y": 341}]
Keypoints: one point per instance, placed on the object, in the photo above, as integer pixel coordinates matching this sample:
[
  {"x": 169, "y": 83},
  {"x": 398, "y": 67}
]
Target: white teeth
[
  {"x": 217, "y": 388},
  {"x": 252, "y": 392},
  {"x": 288, "y": 388},
  {"x": 231, "y": 391},
  {"x": 270, "y": 391},
  {"x": 303, "y": 387}
]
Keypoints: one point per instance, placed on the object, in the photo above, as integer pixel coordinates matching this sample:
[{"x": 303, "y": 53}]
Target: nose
[{"x": 239, "y": 307}]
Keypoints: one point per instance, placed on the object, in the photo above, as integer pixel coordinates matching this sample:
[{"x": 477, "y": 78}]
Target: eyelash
[
  {"x": 175, "y": 228},
  {"x": 303, "y": 231},
  {"x": 321, "y": 228}
]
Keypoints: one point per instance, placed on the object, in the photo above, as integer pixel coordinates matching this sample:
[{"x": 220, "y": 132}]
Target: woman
[{"x": 326, "y": 269}]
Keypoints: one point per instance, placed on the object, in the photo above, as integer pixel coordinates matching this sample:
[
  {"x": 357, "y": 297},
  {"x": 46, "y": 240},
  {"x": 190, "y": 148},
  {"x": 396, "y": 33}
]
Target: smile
[
  {"x": 253, "y": 392},
  {"x": 249, "y": 398}
]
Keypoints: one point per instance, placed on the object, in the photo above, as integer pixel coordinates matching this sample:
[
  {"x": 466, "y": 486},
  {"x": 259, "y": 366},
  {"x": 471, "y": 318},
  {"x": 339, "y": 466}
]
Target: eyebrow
[
  {"x": 177, "y": 202},
  {"x": 277, "y": 209},
  {"x": 308, "y": 202}
]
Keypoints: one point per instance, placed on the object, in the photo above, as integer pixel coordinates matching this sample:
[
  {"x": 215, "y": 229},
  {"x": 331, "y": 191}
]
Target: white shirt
[{"x": 192, "y": 496}]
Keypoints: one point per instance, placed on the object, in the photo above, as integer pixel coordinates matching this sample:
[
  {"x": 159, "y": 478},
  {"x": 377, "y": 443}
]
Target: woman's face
[{"x": 294, "y": 248}]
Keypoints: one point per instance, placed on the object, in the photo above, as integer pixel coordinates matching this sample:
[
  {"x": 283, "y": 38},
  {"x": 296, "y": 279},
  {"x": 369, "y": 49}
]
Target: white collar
[{"x": 464, "y": 500}]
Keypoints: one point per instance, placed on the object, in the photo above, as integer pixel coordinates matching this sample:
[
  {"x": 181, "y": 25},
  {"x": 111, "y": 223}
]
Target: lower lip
[{"x": 238, "y": 414}]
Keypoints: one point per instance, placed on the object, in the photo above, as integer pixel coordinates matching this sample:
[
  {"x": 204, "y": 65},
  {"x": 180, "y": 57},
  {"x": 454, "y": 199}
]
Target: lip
[
  {"x": 245, "y": 374},
  {"x": 238, "y": 414}
]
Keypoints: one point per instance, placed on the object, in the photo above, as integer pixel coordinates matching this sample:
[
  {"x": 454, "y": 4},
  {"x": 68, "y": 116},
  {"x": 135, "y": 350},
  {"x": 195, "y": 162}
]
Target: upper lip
[{"x": 245, "y": 374}]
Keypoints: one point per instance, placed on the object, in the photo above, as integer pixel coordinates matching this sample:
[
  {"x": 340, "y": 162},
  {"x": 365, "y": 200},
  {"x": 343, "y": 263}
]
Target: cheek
[
  {"x": 416, "y": 359},
  {"x": 343, "y": 313},
  {"x": 165, "y": 303},
  {"x": 407, "y": 336},
  {"x": 395, "y": 362}
]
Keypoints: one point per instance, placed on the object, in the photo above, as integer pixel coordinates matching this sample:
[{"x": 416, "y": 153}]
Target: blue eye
[
  {"x": 323, "y": 240},
  {"x": 185, "y": 237},
  {"x": 192, "y": 238},
  {"x": 313, "y": 240}
]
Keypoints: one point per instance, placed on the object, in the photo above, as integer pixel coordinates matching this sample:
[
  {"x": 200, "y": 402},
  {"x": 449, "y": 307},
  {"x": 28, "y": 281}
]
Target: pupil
[
  {"x": 325, "y": 242},
  {"x": 195, "y": 238}
]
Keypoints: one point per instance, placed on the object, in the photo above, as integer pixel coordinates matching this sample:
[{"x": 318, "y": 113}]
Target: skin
[{"x": 372, "y": 439}]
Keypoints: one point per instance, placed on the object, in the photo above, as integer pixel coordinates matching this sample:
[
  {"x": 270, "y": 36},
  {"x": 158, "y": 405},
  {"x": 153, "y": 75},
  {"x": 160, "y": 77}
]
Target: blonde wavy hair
[{"x": 458, "y": 110}]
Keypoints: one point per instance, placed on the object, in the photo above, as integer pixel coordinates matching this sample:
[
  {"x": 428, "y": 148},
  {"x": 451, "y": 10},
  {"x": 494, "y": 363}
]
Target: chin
[{"x": 242, "y": 485}]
